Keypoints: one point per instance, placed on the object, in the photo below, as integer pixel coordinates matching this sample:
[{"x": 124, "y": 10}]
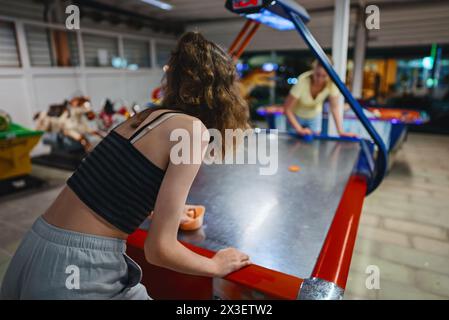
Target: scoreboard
[
  {"x": 268, "y": 8},
  {"x": 247, "y": 6}
]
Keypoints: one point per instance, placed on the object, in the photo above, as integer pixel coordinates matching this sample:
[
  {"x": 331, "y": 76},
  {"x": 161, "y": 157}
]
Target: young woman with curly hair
[{"x": 76, "y": 250}]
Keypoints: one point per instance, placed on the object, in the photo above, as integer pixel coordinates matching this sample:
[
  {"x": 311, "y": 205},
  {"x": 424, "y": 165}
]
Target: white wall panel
[
  {"x": 100, "y": 87},
  {"x": 127, "y": 86},
  {"x": 13, "y": 100},
  {"x": 139, "y": 87},
  {"x": 53, "y": 89}
]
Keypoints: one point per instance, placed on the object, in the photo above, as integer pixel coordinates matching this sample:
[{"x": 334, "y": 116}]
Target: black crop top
[{"x": 117, "y": 181}]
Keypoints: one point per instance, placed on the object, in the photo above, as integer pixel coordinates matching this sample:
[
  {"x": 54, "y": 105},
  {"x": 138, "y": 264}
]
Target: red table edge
[
  {"x": 338, "y": 247},
  {"x": 335, "y": 258},
  {"x": 271, "y": 282}
]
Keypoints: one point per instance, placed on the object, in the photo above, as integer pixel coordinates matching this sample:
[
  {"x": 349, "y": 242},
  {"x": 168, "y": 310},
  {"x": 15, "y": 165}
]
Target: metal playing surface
[{"x": 281, "y": 220}]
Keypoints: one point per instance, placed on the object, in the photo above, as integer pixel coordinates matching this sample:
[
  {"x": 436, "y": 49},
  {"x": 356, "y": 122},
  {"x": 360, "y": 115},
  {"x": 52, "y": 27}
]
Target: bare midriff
[{"x": 70, "y": 213}]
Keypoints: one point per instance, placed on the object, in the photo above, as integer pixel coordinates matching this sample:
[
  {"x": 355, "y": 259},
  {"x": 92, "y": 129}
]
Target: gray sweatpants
[{"x": 53, "y": 263}]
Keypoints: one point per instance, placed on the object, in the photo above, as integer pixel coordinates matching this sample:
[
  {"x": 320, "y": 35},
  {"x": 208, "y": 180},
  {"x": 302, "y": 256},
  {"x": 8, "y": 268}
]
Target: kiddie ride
[
  {"x": 72, "y": 129},
  {"x": 298, "y": 228},
  {"x": 16, "y": 143}
]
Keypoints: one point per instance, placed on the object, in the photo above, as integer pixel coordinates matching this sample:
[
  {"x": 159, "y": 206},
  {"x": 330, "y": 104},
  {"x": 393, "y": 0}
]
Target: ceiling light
[{"x": 160, "y": 4}]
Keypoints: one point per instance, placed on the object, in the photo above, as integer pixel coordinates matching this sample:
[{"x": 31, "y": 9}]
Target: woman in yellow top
[{"x": 304, "y": 105}]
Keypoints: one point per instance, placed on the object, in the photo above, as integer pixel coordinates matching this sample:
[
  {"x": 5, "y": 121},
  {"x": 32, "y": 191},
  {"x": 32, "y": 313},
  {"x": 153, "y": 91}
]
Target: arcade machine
[
  {"x": 16, "y": 143},
  {"x": 298, "y": 225}
]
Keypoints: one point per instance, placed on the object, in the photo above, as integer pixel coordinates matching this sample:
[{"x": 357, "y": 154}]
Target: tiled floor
[
  {"x": 403, "y": 231},
  {"x": 405, "y": 227}
]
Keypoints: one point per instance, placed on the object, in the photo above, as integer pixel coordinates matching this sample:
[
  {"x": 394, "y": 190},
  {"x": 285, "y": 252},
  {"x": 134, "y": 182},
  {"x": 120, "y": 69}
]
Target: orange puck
[
  {"x": 193, "y": 218},
  {"x": 294, "y": 168}
]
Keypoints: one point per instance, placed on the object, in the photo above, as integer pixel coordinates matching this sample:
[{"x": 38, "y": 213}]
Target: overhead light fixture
[
  {"x": 272, "y": 20},
  {"x": 160, "y": 4}
]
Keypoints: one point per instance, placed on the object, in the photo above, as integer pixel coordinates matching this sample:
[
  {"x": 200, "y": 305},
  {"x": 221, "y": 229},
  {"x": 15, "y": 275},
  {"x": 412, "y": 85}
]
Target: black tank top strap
[{"x": 140, "y": 130}]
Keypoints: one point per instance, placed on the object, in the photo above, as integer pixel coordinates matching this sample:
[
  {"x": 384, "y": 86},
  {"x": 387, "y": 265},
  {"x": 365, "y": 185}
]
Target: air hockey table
[
  {"x": 299, "y": 228},
  {"x": 292, "y": 224},
  {"x": 391, "y": 123},
  {"x": 400, "y": 120}
]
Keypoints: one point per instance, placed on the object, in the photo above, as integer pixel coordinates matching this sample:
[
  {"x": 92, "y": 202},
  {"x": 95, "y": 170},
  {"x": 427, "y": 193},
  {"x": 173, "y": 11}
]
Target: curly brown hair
[{"x": 201, "y": 80}]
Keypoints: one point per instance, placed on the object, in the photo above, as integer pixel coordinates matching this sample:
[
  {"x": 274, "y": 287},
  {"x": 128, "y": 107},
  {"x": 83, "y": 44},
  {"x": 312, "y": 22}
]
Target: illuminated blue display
[
  {"x": 242, "y": 67},
  {"x": 292, "y": 80},
  {"x": 427, "y": 63},
  {"x": 239, "y": 67},
  {"x": 272, "y": 20},
  {"x": 269, "y": 67}
]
